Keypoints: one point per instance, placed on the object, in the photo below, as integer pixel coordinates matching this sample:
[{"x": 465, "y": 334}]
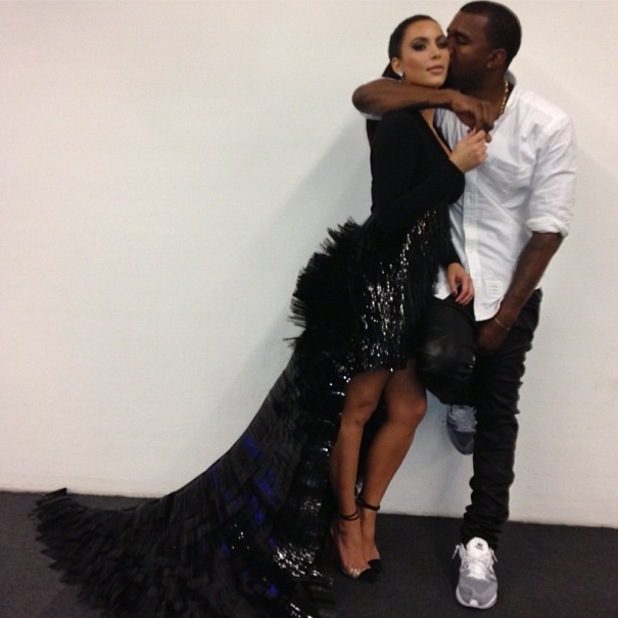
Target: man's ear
[{"x": 496, "y": 59}]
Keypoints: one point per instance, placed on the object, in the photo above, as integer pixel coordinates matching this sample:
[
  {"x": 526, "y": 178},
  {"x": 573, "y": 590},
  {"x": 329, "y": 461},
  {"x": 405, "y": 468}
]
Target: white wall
[{"x": 165, "y": 170}]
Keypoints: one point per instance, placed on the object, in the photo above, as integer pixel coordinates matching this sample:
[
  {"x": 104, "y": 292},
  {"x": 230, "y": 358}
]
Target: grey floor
[{"x": 544, "y": 571}]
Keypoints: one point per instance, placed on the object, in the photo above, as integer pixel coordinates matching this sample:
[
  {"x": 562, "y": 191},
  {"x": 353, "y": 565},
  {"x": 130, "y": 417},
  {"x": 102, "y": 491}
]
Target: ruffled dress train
[{"x": 245, "y": 538}]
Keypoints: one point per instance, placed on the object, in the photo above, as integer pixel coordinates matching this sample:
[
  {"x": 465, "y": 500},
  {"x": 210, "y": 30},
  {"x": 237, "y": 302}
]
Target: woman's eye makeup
[{"x": 421, "y": 45}]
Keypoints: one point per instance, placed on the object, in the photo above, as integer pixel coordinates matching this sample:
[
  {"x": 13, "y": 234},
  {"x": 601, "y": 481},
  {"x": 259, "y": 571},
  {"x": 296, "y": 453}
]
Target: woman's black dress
[{"x": 244, "y": 538}]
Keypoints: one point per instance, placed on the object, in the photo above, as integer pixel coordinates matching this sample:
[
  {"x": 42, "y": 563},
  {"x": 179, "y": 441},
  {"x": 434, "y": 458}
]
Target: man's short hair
[{"x": 503, "y": 29}]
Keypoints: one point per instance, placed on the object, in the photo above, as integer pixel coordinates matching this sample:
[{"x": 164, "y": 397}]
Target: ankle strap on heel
[
  {"x": 353, "y": 517},
  {"x": 365, "y": 505}
]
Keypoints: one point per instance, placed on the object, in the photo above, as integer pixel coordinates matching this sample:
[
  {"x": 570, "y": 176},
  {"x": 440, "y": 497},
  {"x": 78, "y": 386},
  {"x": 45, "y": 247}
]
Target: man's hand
[
  {"x": 532, "y": 263},
  {"x": 490, "y": 336},
  {"x": 475, "y": 113}
]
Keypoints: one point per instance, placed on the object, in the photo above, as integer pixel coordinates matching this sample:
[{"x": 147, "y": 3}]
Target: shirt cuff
[{"x": 547, "y": 223}]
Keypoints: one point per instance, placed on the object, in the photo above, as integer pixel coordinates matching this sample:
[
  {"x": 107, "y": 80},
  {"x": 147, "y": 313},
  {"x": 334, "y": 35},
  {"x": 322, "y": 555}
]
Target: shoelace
[
  {"x": 463, "y": 417},
  {"x": 478, "y": 566}
]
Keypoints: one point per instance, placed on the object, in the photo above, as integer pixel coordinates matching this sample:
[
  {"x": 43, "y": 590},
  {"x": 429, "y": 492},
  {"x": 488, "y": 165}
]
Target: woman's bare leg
[
  {"x": 361, "y": 399},
  {"x": 406, "y": 404}
]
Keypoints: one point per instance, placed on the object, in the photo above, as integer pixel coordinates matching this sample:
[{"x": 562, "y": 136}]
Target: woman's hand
[
  {"x": 460, "y": 283},
  {"x": 471, "y": 151}
]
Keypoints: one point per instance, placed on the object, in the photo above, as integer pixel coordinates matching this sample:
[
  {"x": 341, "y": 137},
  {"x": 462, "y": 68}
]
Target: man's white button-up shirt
[{"x": 526, "y": 185}]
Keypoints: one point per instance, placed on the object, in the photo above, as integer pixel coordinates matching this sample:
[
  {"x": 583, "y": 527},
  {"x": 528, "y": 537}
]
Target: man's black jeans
[{"x": 452, "y": 368}]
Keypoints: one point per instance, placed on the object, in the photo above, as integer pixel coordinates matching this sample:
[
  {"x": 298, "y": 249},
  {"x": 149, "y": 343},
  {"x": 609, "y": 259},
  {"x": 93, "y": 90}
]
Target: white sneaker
[
  {"x": 478, "y": 586},
  {"x": 461, "y": 427}
]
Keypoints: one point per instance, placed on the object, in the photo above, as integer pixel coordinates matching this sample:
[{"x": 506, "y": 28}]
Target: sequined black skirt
[
  {"x": 361, "y": 300},
  {"x": 244, "y": 539}
]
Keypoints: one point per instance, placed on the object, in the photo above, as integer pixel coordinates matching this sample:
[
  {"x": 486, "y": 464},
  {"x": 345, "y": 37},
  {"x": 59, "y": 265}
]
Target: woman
[
  {"x": 243, "y": 539},
  {"x": 412, "y": 179}
]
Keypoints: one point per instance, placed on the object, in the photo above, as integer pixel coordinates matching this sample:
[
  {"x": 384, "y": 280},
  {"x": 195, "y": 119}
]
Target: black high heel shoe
[
  {"x": 368, "y": 575},
  {"x": 376, "y": 563}
]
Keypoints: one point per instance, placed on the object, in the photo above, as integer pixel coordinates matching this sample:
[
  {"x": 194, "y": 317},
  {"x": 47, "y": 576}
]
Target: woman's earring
[{"x": 400, "y": 74}]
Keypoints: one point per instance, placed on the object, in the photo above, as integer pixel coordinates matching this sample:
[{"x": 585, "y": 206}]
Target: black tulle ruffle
[{"x": 244, "y": 538}]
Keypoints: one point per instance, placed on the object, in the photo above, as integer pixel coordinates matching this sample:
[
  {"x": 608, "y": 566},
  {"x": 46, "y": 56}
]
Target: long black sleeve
[{"x": 411, "y": 174}]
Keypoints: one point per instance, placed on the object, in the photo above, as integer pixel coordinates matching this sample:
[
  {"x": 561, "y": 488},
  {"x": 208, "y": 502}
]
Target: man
[{"x": 516, "y": 209}]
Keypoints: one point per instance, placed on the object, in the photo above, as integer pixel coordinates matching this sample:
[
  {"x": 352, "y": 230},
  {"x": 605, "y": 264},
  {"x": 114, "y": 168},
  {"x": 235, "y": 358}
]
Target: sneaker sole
[
  {"x": 473, "y": 604},
  {"x": 467, "y": 449}
]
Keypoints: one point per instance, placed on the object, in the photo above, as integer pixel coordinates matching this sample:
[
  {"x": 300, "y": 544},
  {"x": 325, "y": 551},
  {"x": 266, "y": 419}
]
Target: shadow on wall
[{"x": 330, "y": 194}]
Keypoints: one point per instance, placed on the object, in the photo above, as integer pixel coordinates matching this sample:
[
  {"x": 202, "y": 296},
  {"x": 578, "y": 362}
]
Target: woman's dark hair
[
  {"x": 503, "y": 30},
  {"x": 394, "y": 51},
  {"x": 396, "y": 41}
]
